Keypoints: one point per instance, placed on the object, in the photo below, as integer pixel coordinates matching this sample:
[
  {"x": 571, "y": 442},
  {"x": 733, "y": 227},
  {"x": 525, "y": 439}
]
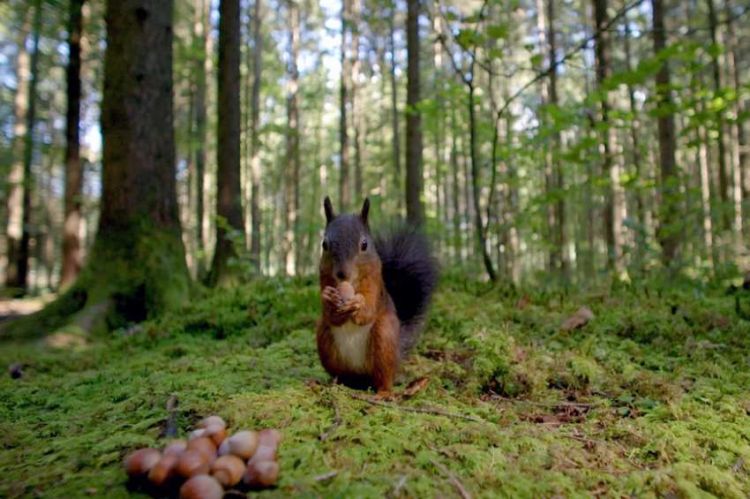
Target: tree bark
[
  {"x": 229, "y": 197},
  {"x": 291, "y": 176},
  {"x": 396, "y": 137},
  {"x": 14, "y": 226},
  {"x": 356, "y": 101},
  {"x": 202, "y": 66},
  {"x": 667, "y": 233},
  {"x": 414, "y": 181},
  {"x": 71, "y": 246},
  {"x": 345, "y": 89},
  {"x": 255, "y": 138},
  {"x": 614, "y": 204}
]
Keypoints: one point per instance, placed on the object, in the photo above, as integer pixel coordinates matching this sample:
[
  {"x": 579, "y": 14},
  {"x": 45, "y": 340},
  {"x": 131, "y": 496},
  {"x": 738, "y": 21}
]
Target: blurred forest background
[{"x": 534, "y": 139}]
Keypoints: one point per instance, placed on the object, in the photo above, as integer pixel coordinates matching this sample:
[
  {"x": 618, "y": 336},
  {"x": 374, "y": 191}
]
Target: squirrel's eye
[
  {"x": 325, "y": 245},
  {"x": 363, "y": 245}
]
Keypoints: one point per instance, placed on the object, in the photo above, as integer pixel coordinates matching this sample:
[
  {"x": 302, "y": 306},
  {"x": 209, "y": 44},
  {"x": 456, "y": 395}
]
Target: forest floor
[{"x": 650, "y": 398}]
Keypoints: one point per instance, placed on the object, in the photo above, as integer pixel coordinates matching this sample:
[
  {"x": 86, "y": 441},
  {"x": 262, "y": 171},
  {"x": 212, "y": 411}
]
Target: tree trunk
[
  {"x": 667, "y": 233},
  {"x": 71, "y": 247},
  {"x": 230, "y": 230},
  {"x": 291, "y": 176},
  {"x": 613, "y": 216},
  {"x": 719, "y": 117},
  {"x": 346, "y": 83},
  {"x": 355, "y": 101},
  {"x": 255, "y": 138},
  {"x": 414, "y": 181},
  {"x": 395, "y": 116},
  {"x": 202, "y": 66},
  {"x": 14, "y": 227}
]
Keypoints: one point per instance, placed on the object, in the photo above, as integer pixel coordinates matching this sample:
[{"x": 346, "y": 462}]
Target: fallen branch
[
  {"x": 325, "y": 476},
  {"x": 452, "y": 479},
  {"x": 421, "y": 410}
]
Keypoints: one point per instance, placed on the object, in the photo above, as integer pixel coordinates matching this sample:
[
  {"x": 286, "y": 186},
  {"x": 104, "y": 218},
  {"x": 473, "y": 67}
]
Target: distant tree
[
  {"x": 345, "y": 190},
  {"x": 414, "y": 181},
  {"x": 16, "y": 181},
  {"x": 255, "y": 222},
  {"x": 667, "y": 234},
  {"x": 201, "y": 66},
  {"x": 229, "y": 197},
  {"x": 71, "y": 246},
  {"x": 292, "y": 164},
  {"x": 395, "y": 122}
]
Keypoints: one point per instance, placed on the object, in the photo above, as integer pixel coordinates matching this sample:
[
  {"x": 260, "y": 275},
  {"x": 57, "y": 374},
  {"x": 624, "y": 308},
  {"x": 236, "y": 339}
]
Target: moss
[{"x": 654, "y": 401}]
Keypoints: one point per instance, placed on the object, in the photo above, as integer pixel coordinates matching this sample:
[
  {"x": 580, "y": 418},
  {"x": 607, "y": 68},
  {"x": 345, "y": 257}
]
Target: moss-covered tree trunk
[{"x": 137, "y": 263}]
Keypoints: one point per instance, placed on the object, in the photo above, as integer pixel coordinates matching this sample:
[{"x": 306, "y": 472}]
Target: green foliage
[{"x": 649, "y": 399}]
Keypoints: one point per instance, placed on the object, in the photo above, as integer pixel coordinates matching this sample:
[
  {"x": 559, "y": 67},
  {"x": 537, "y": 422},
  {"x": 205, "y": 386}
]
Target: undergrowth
[{"x": 649, "y": 399}]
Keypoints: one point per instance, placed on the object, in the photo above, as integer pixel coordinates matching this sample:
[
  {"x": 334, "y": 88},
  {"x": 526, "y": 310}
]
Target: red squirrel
[{"x": 374, "y": 295}]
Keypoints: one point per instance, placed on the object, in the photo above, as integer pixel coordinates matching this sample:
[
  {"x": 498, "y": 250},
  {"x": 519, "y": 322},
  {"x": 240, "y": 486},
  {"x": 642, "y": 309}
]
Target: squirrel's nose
[{"x": 341, "y": 275}]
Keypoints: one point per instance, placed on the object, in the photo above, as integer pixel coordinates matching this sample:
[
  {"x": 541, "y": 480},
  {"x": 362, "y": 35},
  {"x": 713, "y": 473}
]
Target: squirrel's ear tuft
[
  {"x": 328, "y": 207},
  {"x": 365, "y": 211}
]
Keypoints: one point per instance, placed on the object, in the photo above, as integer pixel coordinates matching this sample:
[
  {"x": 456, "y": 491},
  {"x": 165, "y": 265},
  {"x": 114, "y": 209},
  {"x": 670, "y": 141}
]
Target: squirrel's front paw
[
  {"x": 331, "y": 295},
  {"x": 353, "y": 305}
]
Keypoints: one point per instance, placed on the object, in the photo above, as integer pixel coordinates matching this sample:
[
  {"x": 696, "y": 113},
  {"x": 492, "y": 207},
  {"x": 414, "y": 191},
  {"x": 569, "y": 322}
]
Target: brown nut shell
[
  {"x": 175, "y": 447},
  {"x": 243, "y": 444},
  {"x": 201, "y": 487},
  {"x": 212, "y": 421},
  {"x": 262, "y": 474},
  {"x": 165, "y": 470},
  {"x": 216, "y": 433},
  {"x": 228, "y": 470},
  {"x": 204, "y": 445},
  {"x": 140, "y": 462},
  {"x": 192, "y": 463},
  {"x": 346, "y": 290},
  {"x": 268, "y": 444}
]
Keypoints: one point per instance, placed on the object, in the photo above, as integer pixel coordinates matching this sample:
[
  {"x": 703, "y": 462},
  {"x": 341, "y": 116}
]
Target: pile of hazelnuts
[{"x": 209, "y": 462}]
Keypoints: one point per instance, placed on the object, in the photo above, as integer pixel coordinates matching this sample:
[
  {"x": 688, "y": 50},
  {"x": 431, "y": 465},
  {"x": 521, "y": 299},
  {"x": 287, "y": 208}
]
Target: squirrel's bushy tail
[{"x": 410, "y": 273}]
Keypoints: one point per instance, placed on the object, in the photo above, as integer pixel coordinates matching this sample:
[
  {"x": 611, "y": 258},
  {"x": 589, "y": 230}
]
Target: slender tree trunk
[
  {"x": 737, "y": 134},
  {"x": 71, "y": 247},
  {"x": 255, "y": 138},
  {"x": 229, "y": 196},
  {"x": 719, "y": 117},
  {"x": 613, "y": 216},
  {"x": 16, "y": 180},
  {"x": 636, "y": 156},
  {"x": 202, "y": 66},
  {"x": 667, "y": 233},
  {"x": 356, "y": 100},
  {"x": 345, "y": 89},
  {"x": 559, "y": 254},
  {"x": 414, "y": 181},
  {"x": 291, "y": 178},
  {"x": 455, "y": 194},
  {"x": 395, "y": 115},
  {"x": 707, "y": 222}
]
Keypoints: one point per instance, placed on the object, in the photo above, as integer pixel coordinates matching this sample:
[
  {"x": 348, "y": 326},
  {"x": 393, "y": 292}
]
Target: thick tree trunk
[
  {"x": 71, "y": 246},
  {"x": 14, "y": 226},
  {"x": 414, "y": 181},
  {"x": 667, "y": 234},
  {"x": 396, "y": 137},
  {"x": 291, "y": 176},
  {"x": 614, "y": 205},
  {"x": 345, "y": 89},
  {"x": 229, "y": 197},
  {"x": 255, "y": 137}
]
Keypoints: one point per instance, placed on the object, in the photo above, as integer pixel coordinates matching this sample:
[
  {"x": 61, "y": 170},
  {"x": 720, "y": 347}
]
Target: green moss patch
[{"x": 651, "y": 398}]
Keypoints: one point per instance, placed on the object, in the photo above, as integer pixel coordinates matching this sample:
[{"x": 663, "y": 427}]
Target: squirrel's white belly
[{"x": 352, "y": 342}]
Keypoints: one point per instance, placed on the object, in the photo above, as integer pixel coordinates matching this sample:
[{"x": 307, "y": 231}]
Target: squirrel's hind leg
[{"x": 384, "y": 352}]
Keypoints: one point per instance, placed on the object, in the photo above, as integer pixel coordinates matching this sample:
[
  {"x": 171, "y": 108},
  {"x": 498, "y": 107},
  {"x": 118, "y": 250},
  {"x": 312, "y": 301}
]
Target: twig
[
  {"x": 335, "y": 424},
  {"x": 170, "y": 429},
  {"x": 325, "y": 476},
  {"x": 421, "y": 410},
  {"x": 399, "y": 485},
  {"x": 452, "y": 479}
]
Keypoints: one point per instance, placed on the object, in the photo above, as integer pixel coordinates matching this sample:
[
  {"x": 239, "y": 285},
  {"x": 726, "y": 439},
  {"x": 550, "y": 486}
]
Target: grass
[{"x": 649, "y": 399}]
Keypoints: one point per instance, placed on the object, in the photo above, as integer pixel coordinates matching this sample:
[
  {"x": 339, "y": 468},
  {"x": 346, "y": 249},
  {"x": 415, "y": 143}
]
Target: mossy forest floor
[{"x": 651, "y": 398}]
